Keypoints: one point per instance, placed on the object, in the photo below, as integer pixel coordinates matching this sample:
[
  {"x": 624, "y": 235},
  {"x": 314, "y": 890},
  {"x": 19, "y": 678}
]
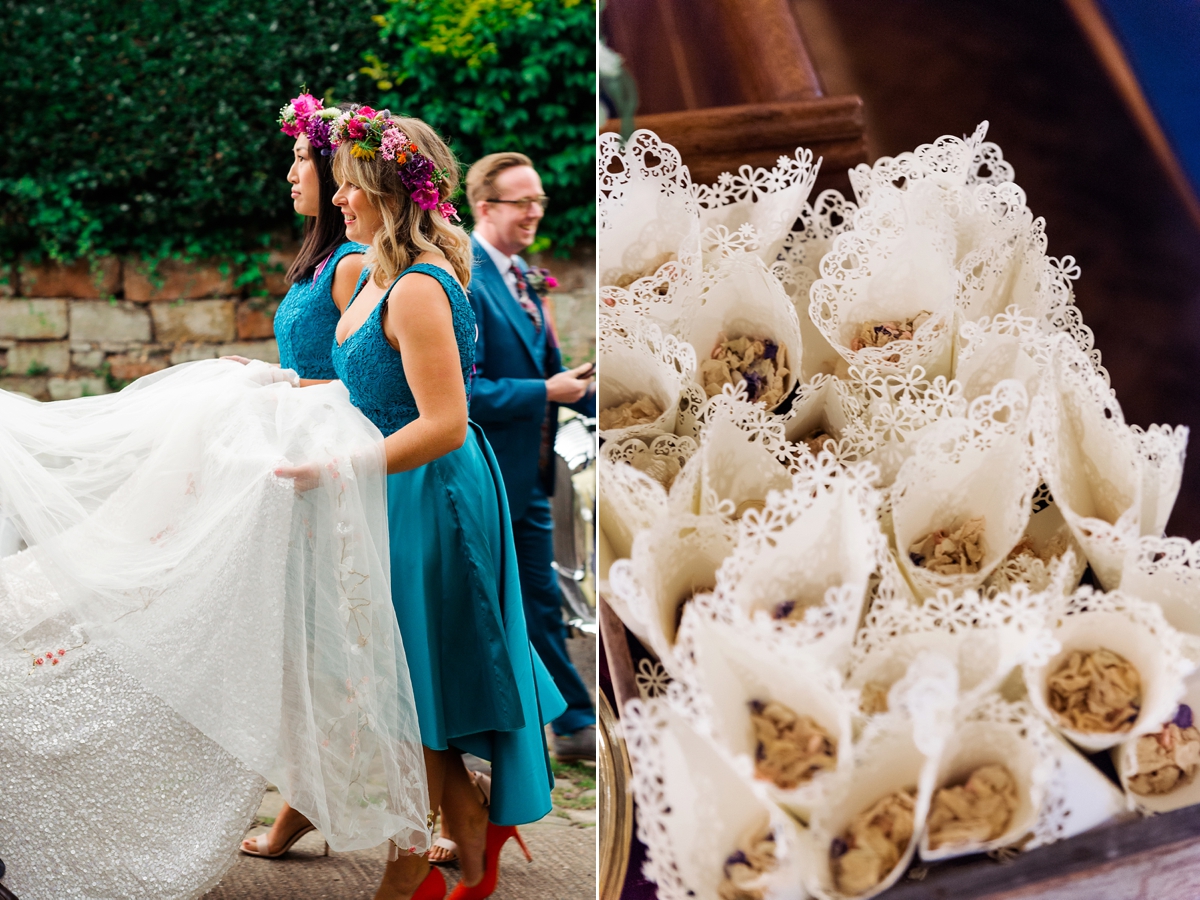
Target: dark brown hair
[{"x": 324, "y": 232}]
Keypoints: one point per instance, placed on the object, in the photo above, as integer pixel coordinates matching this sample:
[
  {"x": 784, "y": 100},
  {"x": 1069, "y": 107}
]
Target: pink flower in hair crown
[
  {"x": 306, "y": 105},
  {"x": 446, "y": 208},
  {"x": 297, "y": 115},
  {"x": 426, "y": 196}
]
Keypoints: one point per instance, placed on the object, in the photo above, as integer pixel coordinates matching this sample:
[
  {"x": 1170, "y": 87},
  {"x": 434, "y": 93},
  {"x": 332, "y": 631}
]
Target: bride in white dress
[{"x": 168, "y": 567}]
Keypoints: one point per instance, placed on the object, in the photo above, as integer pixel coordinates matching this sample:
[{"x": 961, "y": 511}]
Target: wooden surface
[
  {"x": 722, "y": 139},
  {"x": 732, "y": 83},
  {"x": 1145, "y": 859}
]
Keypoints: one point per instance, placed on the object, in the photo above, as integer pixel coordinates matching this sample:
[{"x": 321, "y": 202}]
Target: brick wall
[{"x": 68, "y": 331}]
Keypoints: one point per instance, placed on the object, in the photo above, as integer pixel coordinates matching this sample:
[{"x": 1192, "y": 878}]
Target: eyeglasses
[{"x": 525, "y": 202}]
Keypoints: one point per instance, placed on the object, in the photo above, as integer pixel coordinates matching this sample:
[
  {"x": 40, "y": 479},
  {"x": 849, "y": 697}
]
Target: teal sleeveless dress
[
  {"x": 307, "y": 318},
  {"x": 455, "y": 584}
]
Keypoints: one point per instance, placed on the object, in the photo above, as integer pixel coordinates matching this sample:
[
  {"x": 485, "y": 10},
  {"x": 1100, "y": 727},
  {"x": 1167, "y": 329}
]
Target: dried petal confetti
[
  {"x": 760, "y": 362},
  {"x": 1167, "y": 760},
  {"x": 975, "y": 812},
  {"x": 747, "y": 871},
  {"x": 875, "y": 840},
  {"x": 789, "y": 748},
  {"x": 1095, "y": 690},
  {"x": 640, "y": 411},
  {"x": 957, "y": 551}
]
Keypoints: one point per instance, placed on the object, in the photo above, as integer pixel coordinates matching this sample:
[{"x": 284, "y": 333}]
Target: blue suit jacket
[{"x": 512, "y": 362}]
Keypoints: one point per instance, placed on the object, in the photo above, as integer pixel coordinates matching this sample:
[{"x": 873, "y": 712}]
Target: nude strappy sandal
[
  {"x": 484, "y": 783},
  {"x": 261, "y": 843}
]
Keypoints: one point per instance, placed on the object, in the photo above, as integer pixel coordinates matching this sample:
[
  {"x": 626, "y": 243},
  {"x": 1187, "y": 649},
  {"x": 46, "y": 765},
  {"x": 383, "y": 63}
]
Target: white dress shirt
[{"x": 503, "y": 263}]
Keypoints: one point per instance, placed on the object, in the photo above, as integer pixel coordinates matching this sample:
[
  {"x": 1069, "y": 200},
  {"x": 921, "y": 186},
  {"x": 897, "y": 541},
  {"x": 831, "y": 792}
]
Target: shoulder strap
[{"x": 362, "y": 280}]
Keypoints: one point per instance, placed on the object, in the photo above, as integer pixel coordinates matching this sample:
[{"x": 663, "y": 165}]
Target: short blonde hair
[
  {"x": 407, "y": 230},
  {"x": 481, "y": 177}
]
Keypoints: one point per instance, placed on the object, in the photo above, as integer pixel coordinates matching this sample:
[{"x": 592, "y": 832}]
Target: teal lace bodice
[
  {"x": 307, "y": 319},
  {"x": 371, "y": 368}
]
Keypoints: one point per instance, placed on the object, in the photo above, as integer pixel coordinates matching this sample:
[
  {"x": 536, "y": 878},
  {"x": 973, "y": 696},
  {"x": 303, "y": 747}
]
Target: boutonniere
[{"x": 540, "y": 279}]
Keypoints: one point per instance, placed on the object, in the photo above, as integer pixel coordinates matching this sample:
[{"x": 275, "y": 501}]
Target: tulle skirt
[{"x": 185, "y": 625}]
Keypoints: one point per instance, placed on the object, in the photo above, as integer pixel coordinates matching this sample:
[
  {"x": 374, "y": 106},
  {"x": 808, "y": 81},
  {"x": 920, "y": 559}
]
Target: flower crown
[
  {"x": 306, "y": 115},
  {"x": 367, "y": 132}
]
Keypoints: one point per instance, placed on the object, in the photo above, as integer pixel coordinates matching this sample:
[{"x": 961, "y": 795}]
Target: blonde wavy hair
[{"x": 407, "y": 230}]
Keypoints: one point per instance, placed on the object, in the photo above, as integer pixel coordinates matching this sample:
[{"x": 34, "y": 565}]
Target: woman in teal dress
[
  {"x": 405, "y": 350},
  {"x": 327, "y": 267},
  {"x": 323, "y": 278}
]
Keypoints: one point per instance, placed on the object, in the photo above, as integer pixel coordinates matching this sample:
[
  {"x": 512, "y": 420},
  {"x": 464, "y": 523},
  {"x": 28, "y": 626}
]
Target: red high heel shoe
[
  {"x": 496, "y": 837},
  {"x": 433, "y": 887}
]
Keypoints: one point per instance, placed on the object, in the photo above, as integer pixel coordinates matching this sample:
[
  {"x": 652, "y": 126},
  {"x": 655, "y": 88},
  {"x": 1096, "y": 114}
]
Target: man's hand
[{"x": 569, "y": 386}]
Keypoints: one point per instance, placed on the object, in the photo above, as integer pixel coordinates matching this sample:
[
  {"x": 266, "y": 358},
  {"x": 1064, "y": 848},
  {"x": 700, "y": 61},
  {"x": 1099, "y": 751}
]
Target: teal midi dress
[
  {"x": 307, "y": 318},
  {"x": 479, "y": 686}
]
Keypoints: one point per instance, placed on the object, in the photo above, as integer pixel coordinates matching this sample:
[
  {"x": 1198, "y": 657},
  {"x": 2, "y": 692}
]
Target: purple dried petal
[
  {"x": 757, "y": 706},
  {"x": 760, "y": 752},
  {"x": 736, "y": 858},
  {"x": 754, "y": 384},
  {"x": 784, "y": 609},
  {"x": 838, "y": 848},
  {"x": 770, "y": 348},
  {"x": 1183, "y": 717}
]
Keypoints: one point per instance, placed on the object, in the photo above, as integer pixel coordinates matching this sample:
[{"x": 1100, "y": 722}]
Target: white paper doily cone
[
  {"x": 964, "y": 469},
  {"x": 694, "y": 811},
  {"x": 728, "y": 669},
  {"x": 739, "y": 297},
  {"x": 767, "y": 200},
  {"x": 813, "y": 549},
  {"x": 887, "y": 759},
  {"x": 1125, "y": 759},
  {"x": 1088, "y": 459},
  {"x": 897, "y": 410},
  {"x": 646, "y": 208},
  {"x": 671, "y": 562},
  {"x": 1011, "y": 735},
  {"x": 638, "y": 360},
  {"x": 1007, "y": 346},
  {"x": 658, "y": 458},
  {"x": 867, "y": 283},
  {"x": 630, "y": 502},
  {"x": 1137, "y": 630},
  {"x": 1166, "y": 571},
  {"x": 985, "y": 638},
  {"x": 731, "y": 472},
  {"x": 797, "y": 269},
  {"x": 1050, "y": 564},
  {"x": 824, "y": 404}
]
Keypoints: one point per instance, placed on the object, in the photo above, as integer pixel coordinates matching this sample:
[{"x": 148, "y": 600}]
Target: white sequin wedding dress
[{"x": 183, "y": 627}]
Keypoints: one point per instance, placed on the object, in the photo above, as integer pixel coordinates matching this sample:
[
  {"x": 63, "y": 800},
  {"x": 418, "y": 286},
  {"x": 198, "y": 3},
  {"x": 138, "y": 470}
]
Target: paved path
[
  {"x": 563, "y": 846},
  {"x": 563, "y": 868}
]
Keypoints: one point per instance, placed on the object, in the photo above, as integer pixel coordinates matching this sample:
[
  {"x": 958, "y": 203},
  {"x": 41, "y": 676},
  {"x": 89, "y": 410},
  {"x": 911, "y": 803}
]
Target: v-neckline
[
  {"x": 379, "y": 303},
  {"x": 385, "y": 295}
]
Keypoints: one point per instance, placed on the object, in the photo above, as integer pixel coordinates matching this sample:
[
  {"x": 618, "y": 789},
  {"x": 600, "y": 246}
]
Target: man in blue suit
[{"x": 519, "y": 384}]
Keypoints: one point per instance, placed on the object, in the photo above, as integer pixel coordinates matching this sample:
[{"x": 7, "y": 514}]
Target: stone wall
[
  {"x": 72, "y": 331},
  {"x": 574, "y": 303}
]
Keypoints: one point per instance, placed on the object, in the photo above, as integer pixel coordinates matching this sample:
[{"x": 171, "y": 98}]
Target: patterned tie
[{"x": 527, "y": 304}]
